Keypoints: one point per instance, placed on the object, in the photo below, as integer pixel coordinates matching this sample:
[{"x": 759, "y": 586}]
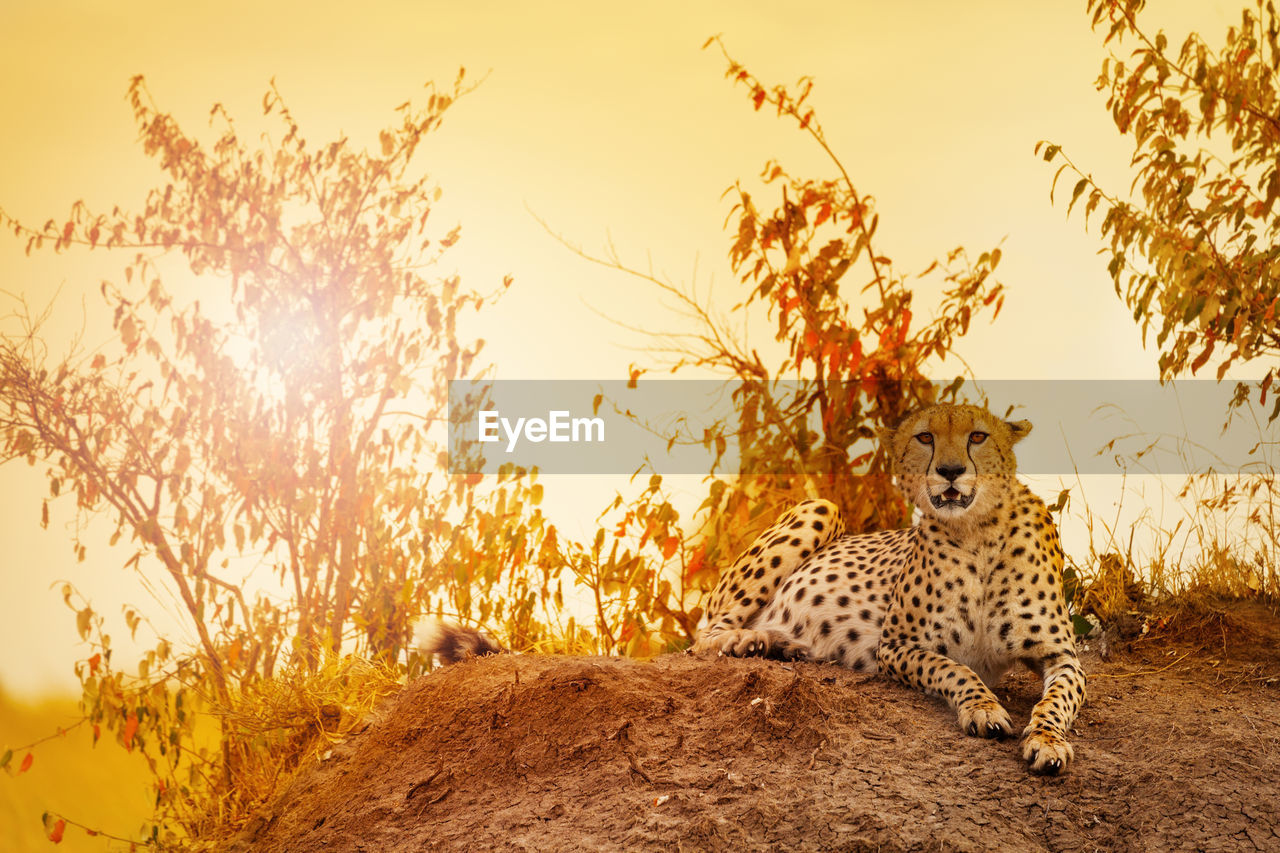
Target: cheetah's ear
[{"x": 1020, "y": 429}]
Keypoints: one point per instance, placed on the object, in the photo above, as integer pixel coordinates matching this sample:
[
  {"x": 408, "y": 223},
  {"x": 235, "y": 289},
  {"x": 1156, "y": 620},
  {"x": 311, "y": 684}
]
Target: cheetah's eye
[
  {"x": 977, "y": 437},
  {"x": 924, "y": 437}
]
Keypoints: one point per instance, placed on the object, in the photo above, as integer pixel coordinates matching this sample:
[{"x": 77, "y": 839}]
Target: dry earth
[{"x": 1177, "y": 749}]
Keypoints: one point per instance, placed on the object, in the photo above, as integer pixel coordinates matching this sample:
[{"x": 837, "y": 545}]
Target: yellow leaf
[{"x": 82, "y": 622}]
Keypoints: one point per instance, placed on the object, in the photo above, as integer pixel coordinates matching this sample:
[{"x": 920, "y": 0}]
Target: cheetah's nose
[{"x": 951, "y": 472}]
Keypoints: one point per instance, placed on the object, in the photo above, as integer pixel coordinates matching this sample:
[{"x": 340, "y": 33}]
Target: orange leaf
[
  {"x": 93, "y": 664},
  {"x": 130, "y": 729},
  {"x": 695, "y": 564},
  {"x": 669, "y": 547},
  {"x": 824, "y": 213},
  {"x": 55, "y": 834},
  {"x": 855, "y": 357},
  {"x": 758, "y": 98},
  {"x": 1202, "y": 358},
  {"x": 26, "y": 763}
]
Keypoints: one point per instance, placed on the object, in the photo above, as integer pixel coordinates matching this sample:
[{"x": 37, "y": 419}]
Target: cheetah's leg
[
  {"x": 978, "y": 711},
  {"x": 1044, "y": 741},
  {"x": 748, "y": 585}
]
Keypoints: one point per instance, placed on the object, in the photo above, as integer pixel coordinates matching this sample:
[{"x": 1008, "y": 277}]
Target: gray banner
[{"x": 1085, "y": 426}]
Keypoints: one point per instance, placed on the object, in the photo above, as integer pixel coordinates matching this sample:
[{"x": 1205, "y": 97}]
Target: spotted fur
[{"x": 946, "y": 606}]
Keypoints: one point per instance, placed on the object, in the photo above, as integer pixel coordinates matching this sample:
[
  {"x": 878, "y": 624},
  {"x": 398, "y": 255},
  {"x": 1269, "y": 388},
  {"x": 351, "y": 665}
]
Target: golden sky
[{"x": 608, "y": 121}]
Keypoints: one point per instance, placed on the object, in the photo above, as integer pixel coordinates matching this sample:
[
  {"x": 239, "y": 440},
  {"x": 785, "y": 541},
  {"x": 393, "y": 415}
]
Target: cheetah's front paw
[
  {"x": 985, "y": 718},
  {"x": 736, "y": 642},
  {"x": 1046, "y": 752}
]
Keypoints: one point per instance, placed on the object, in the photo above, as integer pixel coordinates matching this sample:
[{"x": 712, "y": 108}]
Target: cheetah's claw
[
  {"x": 986, "y": 719},
  {"x": 736, "y": 642},
  {"x": 1046, "y": 752},
  {"x": 992, "y": 731}
]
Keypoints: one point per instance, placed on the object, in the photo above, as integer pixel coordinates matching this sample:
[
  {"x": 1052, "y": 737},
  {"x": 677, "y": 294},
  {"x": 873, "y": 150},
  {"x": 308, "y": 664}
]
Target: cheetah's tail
[{"x": 452, "y": 643}]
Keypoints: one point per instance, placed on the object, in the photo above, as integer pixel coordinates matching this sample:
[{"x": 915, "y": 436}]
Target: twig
[
  {"x": 635, "y": 765},
  {"x": 1143, "y": 671},
  {"x": 417, "y": 786},
  {"x": 813, "y": 759},
  {"x": 623, "y": 739},
  {"x": 132, "y": 842},
  {"x": 59, "y": 733}
]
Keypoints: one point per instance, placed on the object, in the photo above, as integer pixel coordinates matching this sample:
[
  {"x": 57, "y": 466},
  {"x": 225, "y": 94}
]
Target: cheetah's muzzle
[{"x": 951, "y": 498}]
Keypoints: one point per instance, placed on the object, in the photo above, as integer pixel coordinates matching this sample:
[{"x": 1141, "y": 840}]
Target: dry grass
[
  {"x": 277, "y": 727},
  {"x": 1225, "y": 545}
]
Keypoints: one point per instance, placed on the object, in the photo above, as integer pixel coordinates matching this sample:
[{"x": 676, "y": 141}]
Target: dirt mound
[{"x": 1176, "y": 751}]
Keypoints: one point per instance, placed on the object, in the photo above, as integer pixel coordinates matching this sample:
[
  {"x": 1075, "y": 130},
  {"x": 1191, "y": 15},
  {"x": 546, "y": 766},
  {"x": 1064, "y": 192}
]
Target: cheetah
[{"x": 946, "y": 606}]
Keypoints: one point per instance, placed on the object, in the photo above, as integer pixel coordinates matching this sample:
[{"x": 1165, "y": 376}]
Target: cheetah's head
[{"x": 954, "y": 462}]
